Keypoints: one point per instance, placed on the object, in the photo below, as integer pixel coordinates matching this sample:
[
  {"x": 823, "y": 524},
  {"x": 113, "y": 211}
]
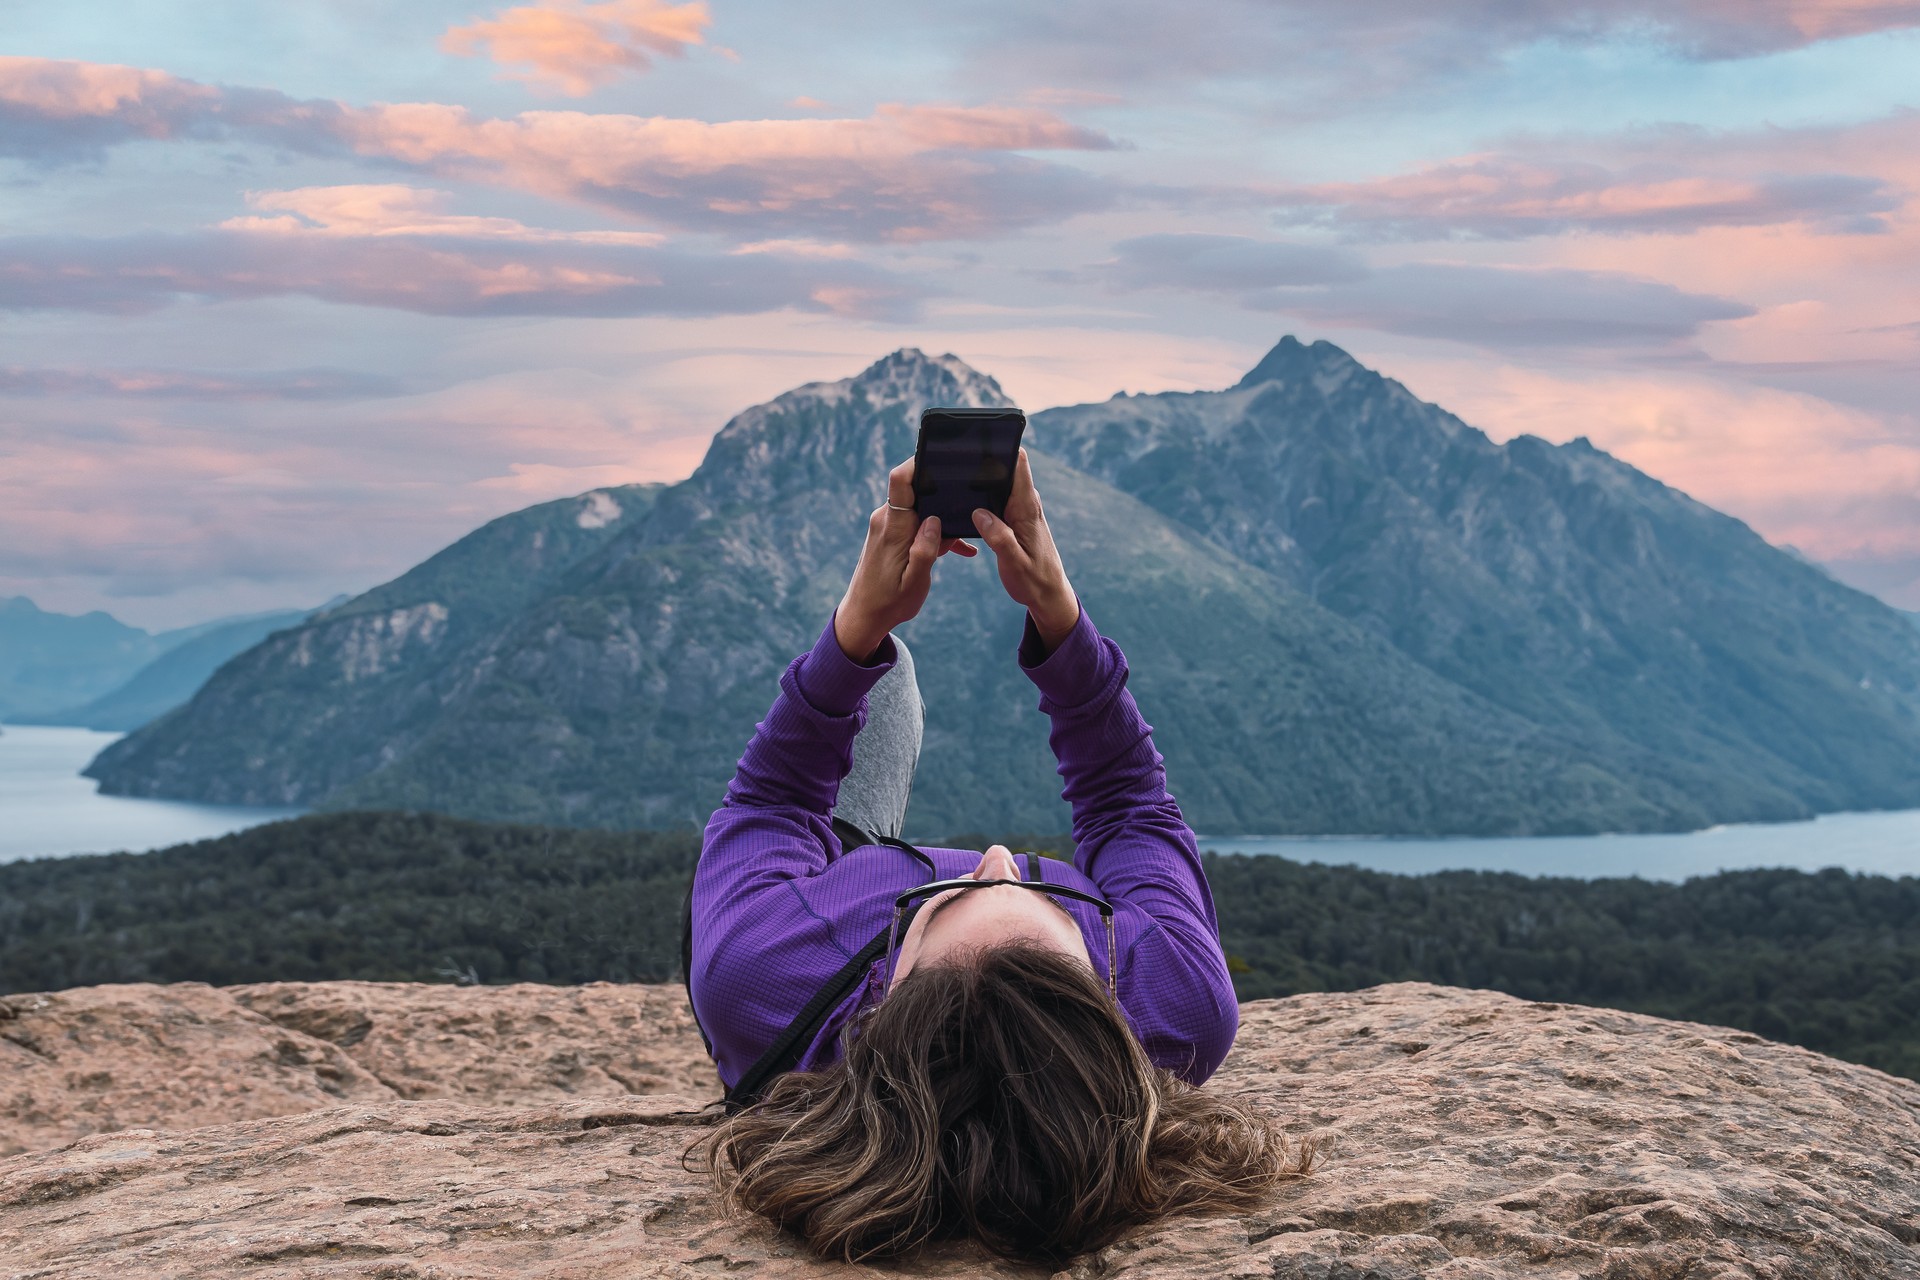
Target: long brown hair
[{"x": 1002, "y": 1098}]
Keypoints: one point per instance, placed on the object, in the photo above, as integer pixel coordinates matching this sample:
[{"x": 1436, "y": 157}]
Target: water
[
  {"x": 1885, "y": 844},
  {"x": 47, "y": 807}
]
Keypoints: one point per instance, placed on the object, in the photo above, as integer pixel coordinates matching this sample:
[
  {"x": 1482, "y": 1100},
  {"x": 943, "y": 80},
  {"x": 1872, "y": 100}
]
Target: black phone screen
[{"x": 965, "y": 460}]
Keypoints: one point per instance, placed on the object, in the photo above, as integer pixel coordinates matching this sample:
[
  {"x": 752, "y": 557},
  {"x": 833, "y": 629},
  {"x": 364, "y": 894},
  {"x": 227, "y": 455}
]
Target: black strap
[{"x": 784, "y": 1053}]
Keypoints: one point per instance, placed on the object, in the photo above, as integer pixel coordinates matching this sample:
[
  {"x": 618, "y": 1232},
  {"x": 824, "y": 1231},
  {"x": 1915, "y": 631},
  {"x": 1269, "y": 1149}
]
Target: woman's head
[{"x": 999, "y": 1095}]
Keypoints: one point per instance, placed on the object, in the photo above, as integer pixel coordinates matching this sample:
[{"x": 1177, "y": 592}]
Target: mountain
[
  {"x": 1554, "y": 581},
  {"x": 173, "y": 677},
  {"x": 53, "y": 660},
  {"x": 337, "y": 696},
  {"x": 602, "y": 660}
]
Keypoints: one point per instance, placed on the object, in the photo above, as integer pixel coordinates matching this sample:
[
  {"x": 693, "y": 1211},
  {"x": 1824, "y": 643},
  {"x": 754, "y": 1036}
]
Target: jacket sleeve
[
  {"x": 759, "y": 952},
  {"x": 1132, "y": 841}
]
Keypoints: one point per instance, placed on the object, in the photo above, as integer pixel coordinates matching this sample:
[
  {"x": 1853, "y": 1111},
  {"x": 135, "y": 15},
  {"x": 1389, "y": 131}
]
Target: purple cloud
[
  {"x": 1231, "y": 264},
  {"x": 1507, "y": 197},
  {"x": 1501, "y": 307},
  {"x": 435, "y": 275},
  {"x": 1324, "y": 53},
  {"x": 187, "y": 384},
  {"x": 1507, "y": 307}
]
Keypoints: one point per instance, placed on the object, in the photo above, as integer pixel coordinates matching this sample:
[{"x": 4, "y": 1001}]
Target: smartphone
[{"x": 965, "y": 460}]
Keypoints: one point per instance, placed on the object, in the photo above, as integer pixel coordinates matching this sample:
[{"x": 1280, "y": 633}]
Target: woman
[{"x": 937, "y": 1043}]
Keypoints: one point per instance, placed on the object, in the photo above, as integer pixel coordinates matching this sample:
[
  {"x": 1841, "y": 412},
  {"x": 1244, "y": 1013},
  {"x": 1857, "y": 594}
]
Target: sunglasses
[{"x": 906, "y": 900}]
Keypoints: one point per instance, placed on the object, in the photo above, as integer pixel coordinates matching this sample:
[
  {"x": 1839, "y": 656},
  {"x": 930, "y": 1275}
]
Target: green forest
[{"x": 1830, "y": 961}]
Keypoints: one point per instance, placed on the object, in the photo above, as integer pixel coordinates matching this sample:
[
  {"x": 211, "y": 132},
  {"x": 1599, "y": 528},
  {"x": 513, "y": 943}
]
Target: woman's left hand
[{"x": 895, "y": 572}]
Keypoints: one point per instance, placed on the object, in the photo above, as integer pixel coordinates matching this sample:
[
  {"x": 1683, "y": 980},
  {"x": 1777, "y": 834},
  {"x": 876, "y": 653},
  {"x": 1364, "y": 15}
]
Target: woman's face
[{"x": 962, "y": 920}]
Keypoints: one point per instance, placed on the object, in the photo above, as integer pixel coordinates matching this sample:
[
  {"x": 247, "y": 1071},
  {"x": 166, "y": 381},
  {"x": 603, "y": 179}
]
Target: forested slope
[{"x": 1830, "y": 961}]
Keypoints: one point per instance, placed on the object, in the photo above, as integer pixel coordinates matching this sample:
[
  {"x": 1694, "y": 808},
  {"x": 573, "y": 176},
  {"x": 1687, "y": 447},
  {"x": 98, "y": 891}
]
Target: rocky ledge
[{"x": 435, "y": 1133}]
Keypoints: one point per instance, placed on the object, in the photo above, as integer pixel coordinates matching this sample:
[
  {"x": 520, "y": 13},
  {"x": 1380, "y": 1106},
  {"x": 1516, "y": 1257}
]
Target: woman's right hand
[
  {"x": 1030, "y": 567},
  {"x": 895, "y": 572}
]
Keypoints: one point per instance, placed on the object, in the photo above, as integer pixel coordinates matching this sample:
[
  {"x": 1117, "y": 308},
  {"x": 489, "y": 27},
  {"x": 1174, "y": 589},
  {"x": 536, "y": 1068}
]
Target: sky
[{"x": 293, "y": 295}]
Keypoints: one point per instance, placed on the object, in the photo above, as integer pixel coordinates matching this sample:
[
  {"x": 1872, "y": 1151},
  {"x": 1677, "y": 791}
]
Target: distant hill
[
  {"x": 54, "y": 660},
  {"x": 173, "y": 677},
  {"x": 1345, "y": 611}
]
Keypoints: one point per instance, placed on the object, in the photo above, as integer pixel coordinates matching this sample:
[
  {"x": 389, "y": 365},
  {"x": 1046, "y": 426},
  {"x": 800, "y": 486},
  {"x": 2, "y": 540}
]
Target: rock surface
[
  {"x": 479, "y": 1133},
  {"x": 96, "y": 1059}
]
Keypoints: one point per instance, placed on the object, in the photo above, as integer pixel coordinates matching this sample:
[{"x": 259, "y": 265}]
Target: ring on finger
[{"x": 892, "y": 507}]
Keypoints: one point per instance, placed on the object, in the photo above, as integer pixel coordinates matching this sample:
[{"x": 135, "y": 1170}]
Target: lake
[
  {"x": 47, "y": 807},
  {"x": 1886, "y": 844}
]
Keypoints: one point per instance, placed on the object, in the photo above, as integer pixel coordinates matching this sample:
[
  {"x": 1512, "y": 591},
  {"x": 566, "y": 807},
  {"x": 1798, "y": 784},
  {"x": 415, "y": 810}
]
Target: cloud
[
  {"x": 185, "y": 384},
  {"x": 1506, "y": 197},
  {"x": 54, "y": 111},
  {"x": 1321, "y": 55},
  {"x": 906, "y": 172},
  {"x": 217, "y": 507},
  {"x": 393, "y": 209},
  {"x": 1507, "y": 307},
  {"x": 576, "y": 47},
  {"x": 1745, "y": 28},
  {"x": 432, "y": 273},
  {"x": 1500, "y": 307},
  {"x": 1229, "y": 264}
]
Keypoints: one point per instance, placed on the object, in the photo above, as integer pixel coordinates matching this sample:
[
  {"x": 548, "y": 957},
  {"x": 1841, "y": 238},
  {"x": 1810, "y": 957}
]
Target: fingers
[
  {"x": 921, "y": 554},
  {"x": 900, "y": 485},
  {"x": 999, "y": 535},
  {"x": 1023, "y": 482},
  {"x": 959, "y": 547}
]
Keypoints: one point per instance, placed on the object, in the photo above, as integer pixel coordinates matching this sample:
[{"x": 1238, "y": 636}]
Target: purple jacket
[{"x": 779, "y": 906}]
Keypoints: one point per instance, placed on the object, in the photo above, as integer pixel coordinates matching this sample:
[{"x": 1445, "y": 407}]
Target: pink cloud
[
  {"x": 145, "y": 100},
  {"x": 275, "y": 502},
  {"x": 378, "y": 254},
  {"x": 1508, "y": 197},
  {"x": 576, "y": 47},
  {"x": 53, "y": 110},
  {"x": 393, "y": 209},
  {"x": 1850, "y": 179},
  {"x": 907, "y": 172},
  {"x": 1735, "y": 26}
]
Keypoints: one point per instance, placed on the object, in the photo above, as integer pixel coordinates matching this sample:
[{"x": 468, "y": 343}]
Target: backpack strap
[{"x": 784, "y": 1053}]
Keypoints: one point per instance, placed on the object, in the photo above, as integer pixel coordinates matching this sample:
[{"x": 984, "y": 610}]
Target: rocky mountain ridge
[
  {"x": 354, "y": 1129},
  {"x": 1346, "y": 611},
  {"x": 1554, "y": 581}
]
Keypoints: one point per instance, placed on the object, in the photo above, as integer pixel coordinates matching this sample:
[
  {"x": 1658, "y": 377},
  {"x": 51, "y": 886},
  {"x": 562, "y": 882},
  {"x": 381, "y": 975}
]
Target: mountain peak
[
  {"x": 1292, "y": 360},
  {"x": 910, "y": 374},
  {"x": 846, "y": 431}
]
